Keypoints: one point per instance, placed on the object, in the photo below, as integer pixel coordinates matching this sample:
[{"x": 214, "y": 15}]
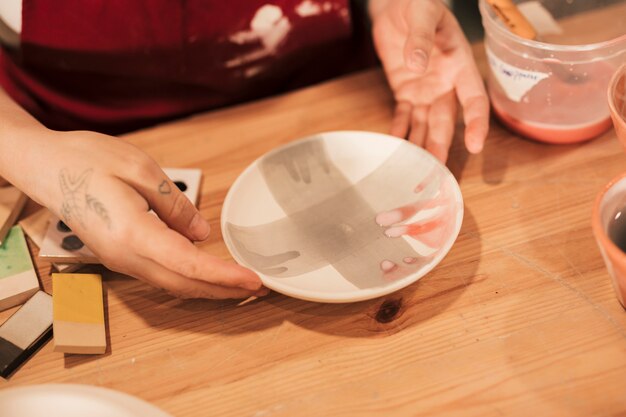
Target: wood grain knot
[{"x": 388, "y": 311}]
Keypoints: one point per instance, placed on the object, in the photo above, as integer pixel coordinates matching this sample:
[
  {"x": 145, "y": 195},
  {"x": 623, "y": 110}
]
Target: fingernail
[
  {"x": 200, "y": 227},
  {"x": 395, "y": 231},
  {"x": 262, "y": 292},
  {"x": 387, "y": 265},
  {"x": 252, "y": 282},
  {"x": 418, "y": 61},
  {"x": 475, "y": 147},
  {"x": 389, "y": 217}
]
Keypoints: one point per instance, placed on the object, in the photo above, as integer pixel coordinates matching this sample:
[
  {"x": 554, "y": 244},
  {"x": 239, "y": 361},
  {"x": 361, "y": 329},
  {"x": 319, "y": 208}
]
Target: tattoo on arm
[
  {"x": 77, "y": 202},
  {"x": 165, "y": 187},
  {"x": 97, "y": 207}
]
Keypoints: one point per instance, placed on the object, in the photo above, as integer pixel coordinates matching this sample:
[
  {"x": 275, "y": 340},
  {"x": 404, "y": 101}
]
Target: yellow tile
[{"x": 78, "y": 298}]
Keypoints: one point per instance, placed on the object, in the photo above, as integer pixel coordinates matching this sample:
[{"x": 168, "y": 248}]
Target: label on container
[{"x": 515, "y": 82}]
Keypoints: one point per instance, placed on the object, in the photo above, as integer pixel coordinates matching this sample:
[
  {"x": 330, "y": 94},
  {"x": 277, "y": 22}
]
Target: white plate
[
  {"x": 68, "y": 400},
  {"x": 304, "y": 216}
]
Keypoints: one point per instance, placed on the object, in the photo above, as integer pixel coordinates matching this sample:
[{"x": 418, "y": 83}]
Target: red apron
[{"x": 117, "y": 65}]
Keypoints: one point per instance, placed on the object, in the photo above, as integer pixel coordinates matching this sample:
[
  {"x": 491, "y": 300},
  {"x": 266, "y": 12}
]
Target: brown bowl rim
[{"x": 603, "y": 239}]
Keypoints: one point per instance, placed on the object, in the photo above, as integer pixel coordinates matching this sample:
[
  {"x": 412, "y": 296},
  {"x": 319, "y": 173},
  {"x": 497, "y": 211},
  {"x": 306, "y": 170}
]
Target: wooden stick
[{"x": 517, "y": 23}]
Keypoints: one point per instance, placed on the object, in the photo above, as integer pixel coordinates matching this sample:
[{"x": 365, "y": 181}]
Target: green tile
[{"x": 14, "y": 255}]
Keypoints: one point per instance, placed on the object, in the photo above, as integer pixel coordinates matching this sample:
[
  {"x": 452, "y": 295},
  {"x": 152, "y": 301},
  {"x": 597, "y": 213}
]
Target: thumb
[
  {"x": 422, "y": 19},
  {"x": 168, "y": 202}
]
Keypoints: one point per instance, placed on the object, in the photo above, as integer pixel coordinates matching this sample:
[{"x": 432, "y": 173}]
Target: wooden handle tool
[{"x": 517, "y": 23}]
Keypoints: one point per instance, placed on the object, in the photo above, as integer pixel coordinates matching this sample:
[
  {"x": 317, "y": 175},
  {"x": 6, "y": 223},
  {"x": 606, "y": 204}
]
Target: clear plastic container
[
  {"x": 617, "y": 103},
  {"x": 553, "y": 88}
]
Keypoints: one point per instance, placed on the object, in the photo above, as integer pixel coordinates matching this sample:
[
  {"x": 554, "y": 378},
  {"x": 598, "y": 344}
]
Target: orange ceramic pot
[{"x": 611, "y": 199}]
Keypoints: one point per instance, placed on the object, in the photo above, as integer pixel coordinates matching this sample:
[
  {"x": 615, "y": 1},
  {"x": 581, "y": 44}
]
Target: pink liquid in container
[{"x": 553, "y": 89}]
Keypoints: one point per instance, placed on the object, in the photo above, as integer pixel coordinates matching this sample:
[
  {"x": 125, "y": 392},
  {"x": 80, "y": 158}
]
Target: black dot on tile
[
  {"x": 181, "y": 185},
  {"x": 72, "y": 243},
  {"x": 62, "y": 227}
]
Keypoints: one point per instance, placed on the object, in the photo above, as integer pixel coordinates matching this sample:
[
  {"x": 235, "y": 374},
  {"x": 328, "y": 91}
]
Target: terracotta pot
[{"x": 608, "y": 203}]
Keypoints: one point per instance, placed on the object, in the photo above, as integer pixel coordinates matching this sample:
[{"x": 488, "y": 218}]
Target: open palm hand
[{"x": 429, "y": 65}]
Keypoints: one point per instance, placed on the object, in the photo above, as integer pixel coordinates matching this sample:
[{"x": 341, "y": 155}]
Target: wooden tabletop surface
[{"x": 519, "y": 318}]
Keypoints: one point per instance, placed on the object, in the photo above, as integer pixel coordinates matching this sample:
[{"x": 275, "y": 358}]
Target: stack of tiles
[
  {"x": 25, "y": 332},
  {"x": 78, "y": 313},
  {"x": 18, "y": 278}
]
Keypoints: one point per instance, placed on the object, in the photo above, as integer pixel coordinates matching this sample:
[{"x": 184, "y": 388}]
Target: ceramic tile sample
[
  {"x": 67, "y": 268},
  {"x": 25, "y": 332},
  {"x": 78, "y": 311},
  {"x": 61, "y": 245},
  {"x": 18, "y": 278}
]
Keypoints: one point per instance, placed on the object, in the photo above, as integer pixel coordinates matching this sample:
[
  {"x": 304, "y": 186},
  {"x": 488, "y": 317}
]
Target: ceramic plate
[
  {"x": 67, "y": 400},
  {"x": 342, "y": 216}
]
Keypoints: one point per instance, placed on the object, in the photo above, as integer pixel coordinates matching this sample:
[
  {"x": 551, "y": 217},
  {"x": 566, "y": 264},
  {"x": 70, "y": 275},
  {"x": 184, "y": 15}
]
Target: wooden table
[{"x": 519, "y": 319}]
